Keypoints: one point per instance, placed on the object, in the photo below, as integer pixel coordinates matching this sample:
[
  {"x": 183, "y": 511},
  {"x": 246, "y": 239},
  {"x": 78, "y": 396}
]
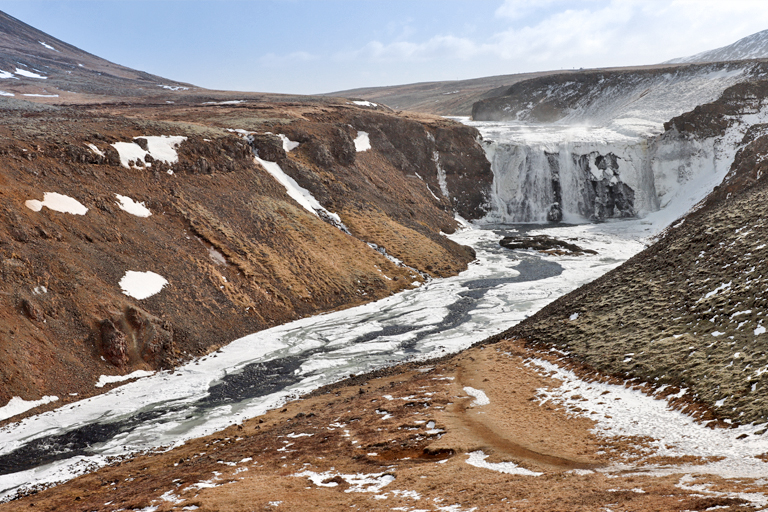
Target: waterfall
[{"x": 570, "y": 181}]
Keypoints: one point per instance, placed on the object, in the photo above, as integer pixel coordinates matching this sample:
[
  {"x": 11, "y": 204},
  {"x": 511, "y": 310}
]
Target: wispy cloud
[{"x": 583, "y": 32}]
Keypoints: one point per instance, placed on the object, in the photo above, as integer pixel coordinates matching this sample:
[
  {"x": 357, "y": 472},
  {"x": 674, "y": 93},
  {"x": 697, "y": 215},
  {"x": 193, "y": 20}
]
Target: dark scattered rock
[
  {"x": 268, "y": 147},
  {"x": 30, "y": 310},
  {"x": 142, "y": 143},
  {"x": 543, "y": 243},
  {"x": 113, "y": 344}
]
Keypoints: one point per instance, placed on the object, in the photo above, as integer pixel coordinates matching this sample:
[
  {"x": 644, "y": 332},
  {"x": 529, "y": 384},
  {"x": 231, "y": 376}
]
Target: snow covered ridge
[
  {"x": 159, "y": 147},
  {"x": 754, "y": 46},
  {"x": 632, "y": 103}
]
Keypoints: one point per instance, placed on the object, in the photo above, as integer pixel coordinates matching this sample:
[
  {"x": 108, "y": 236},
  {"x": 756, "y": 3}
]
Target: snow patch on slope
[
  {"x": 29, "y": 74},
  {"x": 162, "y": 148},
  {"x": 141, "y": 285},
  {"x": 127, "y": 204},
  {"x": 362, "y": 142},
  {"x": 621, "y": 411},
  {"x": 110, "y": 379},
  {"x": 17, "y": 405},
  {"x": 58, "y": 203}
]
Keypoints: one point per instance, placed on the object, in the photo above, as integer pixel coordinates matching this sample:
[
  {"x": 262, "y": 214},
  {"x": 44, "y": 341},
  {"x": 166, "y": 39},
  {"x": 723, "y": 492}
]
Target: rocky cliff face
[
  {"x": 689, "y": 311},
  {"x": 593, "y": 145},
  {"x": 236, "y": 251}
]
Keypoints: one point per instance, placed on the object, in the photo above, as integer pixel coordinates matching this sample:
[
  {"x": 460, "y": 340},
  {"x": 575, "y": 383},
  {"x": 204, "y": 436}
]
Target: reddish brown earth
[{"x": 239, "y": 254}]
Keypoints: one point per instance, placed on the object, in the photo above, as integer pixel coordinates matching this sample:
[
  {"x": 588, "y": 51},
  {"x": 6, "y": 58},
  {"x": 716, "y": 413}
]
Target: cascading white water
[
  {"x": 545, "y": 173},
  {"x": 583, "y": 176},
  {"x": 608, "y": 155}
]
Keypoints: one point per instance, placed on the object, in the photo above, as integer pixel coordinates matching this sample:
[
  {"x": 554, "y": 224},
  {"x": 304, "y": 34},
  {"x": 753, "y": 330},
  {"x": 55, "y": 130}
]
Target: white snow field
[
  {"x": 58, "y": 203},
  {"x": 127, "y": 204},
  {"x": 159, "y": 147},
  {"x": 141, "y": 285}
]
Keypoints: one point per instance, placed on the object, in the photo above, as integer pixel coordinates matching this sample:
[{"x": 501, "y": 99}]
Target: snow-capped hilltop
[
  {"x": 750, "y": 47},
  {"x": 36, "y": 65}
]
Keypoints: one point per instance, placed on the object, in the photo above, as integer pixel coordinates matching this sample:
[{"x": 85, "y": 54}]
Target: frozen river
[{"x": 261, "y": 371}]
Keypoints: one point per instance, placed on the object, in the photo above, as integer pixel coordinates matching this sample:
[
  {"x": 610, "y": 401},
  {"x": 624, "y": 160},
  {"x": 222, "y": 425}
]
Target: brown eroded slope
[{"x": 238, "y": 253}]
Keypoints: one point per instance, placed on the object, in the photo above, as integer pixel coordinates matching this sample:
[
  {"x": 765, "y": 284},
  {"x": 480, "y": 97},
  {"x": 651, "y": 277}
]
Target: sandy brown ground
[{"x": 302, "y": 457}]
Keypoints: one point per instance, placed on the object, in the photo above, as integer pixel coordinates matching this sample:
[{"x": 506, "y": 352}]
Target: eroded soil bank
[{"x": 237, "y": 252}]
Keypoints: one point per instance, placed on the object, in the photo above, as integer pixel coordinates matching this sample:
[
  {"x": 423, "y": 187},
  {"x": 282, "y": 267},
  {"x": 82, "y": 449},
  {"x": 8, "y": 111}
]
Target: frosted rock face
[{"x": 570, "y": 182}]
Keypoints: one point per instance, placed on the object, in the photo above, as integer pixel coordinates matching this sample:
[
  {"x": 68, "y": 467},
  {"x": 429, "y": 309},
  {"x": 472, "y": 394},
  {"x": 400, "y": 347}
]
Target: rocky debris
[
  {"x": 30, "y": 310},
  {"x": 543, "y": 243},
  {"x": 114, "y": 346}
]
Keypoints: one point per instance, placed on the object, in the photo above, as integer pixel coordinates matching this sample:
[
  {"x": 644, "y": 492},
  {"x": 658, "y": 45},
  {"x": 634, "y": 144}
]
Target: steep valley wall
[
  {"x": 689, "y": 313},
  {"x": 238, "y": 253}
]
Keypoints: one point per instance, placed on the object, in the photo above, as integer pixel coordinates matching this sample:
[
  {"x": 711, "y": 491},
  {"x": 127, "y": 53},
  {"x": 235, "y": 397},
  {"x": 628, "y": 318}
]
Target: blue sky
[{"x": 315, "y": 46}]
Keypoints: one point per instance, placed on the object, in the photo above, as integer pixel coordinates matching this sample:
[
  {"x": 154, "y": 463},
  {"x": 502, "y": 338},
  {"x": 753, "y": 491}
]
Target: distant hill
[
  {"x": 451, "y": 98},
  {"x": 750, "y": 47},
  {"x": 35, "y": 65}
]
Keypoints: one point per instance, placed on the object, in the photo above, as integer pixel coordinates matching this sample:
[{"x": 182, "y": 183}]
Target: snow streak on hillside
[{"x": 750, "y": 47}]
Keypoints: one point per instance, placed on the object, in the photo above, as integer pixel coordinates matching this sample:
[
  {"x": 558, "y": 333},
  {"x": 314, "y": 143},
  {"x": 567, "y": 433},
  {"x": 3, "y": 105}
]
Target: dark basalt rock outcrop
[{"x": 543, "y": 243}]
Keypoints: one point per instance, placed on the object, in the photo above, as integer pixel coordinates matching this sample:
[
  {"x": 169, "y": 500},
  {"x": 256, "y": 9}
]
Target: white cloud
[
  {"x": 522, "y": 36},
  {"x": 586, "y": 33},
  {"x": 515, "y": 9}
]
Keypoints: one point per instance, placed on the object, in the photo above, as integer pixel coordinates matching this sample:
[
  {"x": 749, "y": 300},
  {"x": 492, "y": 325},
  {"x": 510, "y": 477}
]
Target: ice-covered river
[{"x": 263, "y": 370}]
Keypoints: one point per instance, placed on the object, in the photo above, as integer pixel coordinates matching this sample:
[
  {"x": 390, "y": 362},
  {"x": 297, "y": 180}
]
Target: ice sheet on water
[
  {"x": 333, "y": 340},
  {"x": 17, "y": 405}
]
